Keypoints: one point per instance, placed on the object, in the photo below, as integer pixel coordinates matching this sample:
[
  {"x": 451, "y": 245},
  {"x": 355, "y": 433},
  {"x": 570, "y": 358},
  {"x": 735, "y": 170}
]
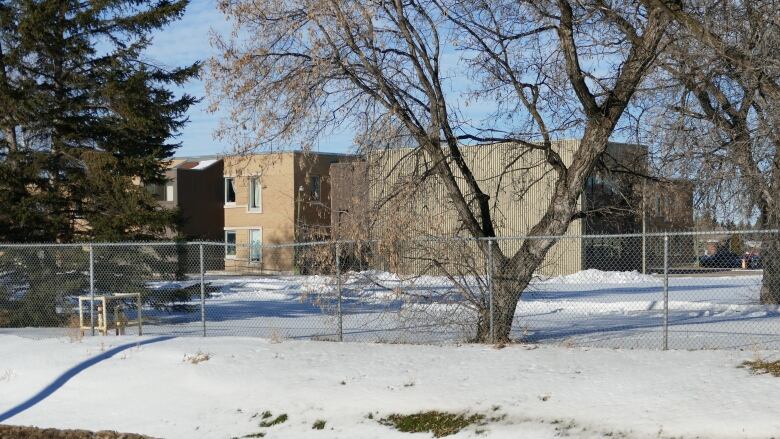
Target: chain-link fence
[{"x": 677, "y": 290}]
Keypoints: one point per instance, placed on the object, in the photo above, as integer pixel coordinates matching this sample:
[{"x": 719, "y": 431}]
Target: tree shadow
[{"x": 72, "y": 372}]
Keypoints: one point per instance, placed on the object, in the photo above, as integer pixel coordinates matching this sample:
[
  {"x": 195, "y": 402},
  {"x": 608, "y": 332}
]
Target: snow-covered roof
[{"x": 203, "y": 164}]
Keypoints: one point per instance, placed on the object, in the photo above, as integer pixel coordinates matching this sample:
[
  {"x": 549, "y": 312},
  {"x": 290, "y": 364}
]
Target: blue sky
[{"x": 187, "y": 41}]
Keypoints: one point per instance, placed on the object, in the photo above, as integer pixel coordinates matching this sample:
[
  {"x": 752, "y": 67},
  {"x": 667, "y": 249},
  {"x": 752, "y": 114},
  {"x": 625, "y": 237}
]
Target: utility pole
[
  {"x": 296, "y": 232},
  {"x": 298, "y": 213}
]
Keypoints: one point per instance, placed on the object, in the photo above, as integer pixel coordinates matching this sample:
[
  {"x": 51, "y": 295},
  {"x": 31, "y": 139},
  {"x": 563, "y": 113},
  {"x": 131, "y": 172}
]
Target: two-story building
[
  {"x": 193, "y": 187},
  {"x": 274, "y": 199}
]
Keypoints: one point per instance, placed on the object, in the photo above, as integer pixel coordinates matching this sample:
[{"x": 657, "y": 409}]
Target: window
[
  {"x": 315, "y": 187},
  {"x": 230, "y": 243},
  {"x": 255, "y": 194},
  {"x": 256, "y": 245},
  {"x": 156, "y": 190},
  {"x": 230, "y": 190}
]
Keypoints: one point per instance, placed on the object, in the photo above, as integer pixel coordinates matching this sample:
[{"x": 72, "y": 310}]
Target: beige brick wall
[
  {"x": 281, "y": 175},
  {"x": 276, "y": 218}
]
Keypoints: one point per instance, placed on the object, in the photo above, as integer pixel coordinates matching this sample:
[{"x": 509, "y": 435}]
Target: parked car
[
  {"x": 721, "y": 259},
  {"x": 753, "y": 261}
]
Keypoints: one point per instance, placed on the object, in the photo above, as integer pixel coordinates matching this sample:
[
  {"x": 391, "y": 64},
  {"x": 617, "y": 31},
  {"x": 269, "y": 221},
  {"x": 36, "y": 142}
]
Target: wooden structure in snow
[{"x": 110, "y": 313}]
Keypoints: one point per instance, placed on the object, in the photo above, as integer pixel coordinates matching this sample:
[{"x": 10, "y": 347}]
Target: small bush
[
  {"x": 74, "y": 329},
  {"x": 318, "y": 425},
  {"x": 762, "y": 367},
  {"x": 199, "y": 357},
  {"x": 439, "y": 423}
]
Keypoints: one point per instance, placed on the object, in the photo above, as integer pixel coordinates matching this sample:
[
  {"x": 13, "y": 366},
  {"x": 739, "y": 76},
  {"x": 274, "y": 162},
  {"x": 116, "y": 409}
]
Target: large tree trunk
[
  {"x": 509, "y": 285},
  {"x": 512, "y": 275}
]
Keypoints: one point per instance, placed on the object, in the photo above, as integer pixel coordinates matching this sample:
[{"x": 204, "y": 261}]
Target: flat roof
[{"x": 290, "y": 151}]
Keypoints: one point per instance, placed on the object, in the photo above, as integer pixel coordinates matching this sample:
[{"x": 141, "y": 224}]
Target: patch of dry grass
[
  {"x": 760, "y": 366},
  {"x": 196, "y": 358},
  {"x": 18, "y": 432},
  {"x": 281, "y": 419},
  {"x": 74, "y": 329},
  {"x": 439, "y": 423}
]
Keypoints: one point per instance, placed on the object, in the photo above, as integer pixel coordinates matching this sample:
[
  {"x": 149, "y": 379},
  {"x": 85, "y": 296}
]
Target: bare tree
[
  {"x": 712, "y": 23},
  {"x": 723, "y": 73},
  {"x": 295, "y": 70}
]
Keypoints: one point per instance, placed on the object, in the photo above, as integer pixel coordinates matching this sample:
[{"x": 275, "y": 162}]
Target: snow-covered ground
[
  {"x": 538, "y": 392},
  {"x": 589, "y": 308},
  {"x": 627, "y": 310}
]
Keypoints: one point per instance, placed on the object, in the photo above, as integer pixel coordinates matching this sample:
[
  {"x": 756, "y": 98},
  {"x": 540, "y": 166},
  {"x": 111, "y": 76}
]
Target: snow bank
[
  {"x": 322, "y": 285},
  {"x": 593, "y": 276}
]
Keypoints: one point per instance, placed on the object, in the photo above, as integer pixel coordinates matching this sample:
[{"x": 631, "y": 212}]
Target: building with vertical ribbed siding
[{"x": 520, "y": 183}]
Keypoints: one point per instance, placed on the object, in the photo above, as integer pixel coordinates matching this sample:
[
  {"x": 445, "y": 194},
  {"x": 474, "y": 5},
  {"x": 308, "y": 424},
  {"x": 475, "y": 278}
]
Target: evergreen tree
[
  {"x": 89, "y": 117},
  {"x": 83, "y": 119},
  {"x": 38, "y": 285}
]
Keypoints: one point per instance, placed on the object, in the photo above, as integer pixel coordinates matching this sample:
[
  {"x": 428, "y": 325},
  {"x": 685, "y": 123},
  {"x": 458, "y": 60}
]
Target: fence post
[
  {"x": 490, "y": 288},
  {"x": 91, "y": 289},
  {"x": 202, "y": 292},
  {"x": 666, "y": 292},
  {"x": 644, "y": 245},
  {"x": 338, "y": 291},
  {"x": 644, "y": 228}
]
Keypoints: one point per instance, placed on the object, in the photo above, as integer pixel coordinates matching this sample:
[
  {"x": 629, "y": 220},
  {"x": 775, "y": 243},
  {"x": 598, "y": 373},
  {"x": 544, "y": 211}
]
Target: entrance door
[{"x": 255, "y": 245}]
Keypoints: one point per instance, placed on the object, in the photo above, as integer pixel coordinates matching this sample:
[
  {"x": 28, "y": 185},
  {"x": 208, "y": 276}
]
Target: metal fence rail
[{"x": 698, "y": 290}]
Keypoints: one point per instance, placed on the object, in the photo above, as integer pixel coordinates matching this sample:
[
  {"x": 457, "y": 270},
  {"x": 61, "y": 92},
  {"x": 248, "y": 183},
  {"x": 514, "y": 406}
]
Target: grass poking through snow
[
  {"x": 760, "y": 367},
  {"x": 281, "y": 419},
  {"x": 318, "y": 425},
  {"x": 439, "y": 423},
  {"x": 266, "y": 422}
]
